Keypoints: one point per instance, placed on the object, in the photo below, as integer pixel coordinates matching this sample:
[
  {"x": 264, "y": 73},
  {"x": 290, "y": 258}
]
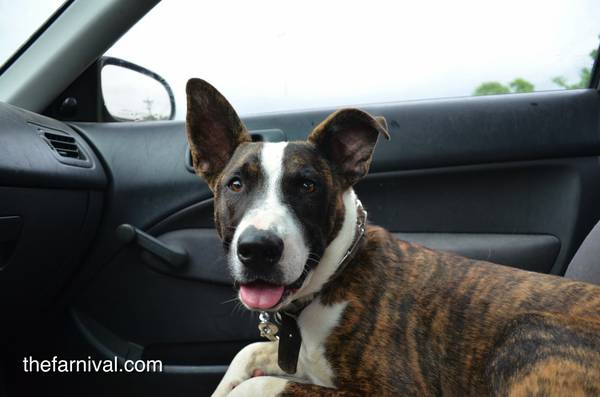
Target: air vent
[
  {"x": 66, "y": 148},
  {"x": 64, "y": 145}
]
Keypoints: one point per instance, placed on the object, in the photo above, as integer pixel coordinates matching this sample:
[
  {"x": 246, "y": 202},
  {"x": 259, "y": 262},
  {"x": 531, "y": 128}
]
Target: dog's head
[{"x": 278, "y": 206}]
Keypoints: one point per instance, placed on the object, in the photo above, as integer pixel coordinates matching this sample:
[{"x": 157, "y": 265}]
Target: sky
[
  {"x": 275, "y": 55},
  {"x": 19, "y": 19}
]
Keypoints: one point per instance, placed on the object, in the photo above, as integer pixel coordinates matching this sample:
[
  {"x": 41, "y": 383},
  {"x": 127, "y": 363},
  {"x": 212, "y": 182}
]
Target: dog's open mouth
[{"x": 262, "y": 295}]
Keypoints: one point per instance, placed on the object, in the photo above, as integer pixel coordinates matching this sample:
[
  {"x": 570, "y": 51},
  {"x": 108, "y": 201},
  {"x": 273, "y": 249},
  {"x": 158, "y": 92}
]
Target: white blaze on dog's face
[
  {"x": 278, "y": 206},
  {"x": 268, "y": 243}
]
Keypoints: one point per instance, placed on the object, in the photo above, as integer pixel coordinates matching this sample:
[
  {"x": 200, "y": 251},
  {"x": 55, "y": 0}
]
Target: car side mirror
[{"x": 133, "y": 93}]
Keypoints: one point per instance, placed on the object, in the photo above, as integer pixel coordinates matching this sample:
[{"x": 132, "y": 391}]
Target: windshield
[{"x": 19, "y": 20}]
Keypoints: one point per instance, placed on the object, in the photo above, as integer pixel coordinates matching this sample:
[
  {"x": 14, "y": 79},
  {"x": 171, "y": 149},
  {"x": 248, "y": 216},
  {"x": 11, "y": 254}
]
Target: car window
[
  {"x": 279, "y": 55},
  {"x": 19, "y": 20}
]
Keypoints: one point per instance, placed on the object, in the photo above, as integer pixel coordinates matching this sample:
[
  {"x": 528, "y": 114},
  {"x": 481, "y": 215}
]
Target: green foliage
[
  {"x": 519, "y": 85},
  {"x": 585, "y": 75},
  {"x": 491, "y": 88},
  {"x": 584, "y": 80},
  {"x": 494, "y": 87}
]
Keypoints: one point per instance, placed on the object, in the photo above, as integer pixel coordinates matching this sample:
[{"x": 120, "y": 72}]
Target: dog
[{"x": 349, "y": 309}]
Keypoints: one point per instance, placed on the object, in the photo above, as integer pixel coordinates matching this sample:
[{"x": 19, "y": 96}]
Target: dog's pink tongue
[{"x": 261, "y": 295}]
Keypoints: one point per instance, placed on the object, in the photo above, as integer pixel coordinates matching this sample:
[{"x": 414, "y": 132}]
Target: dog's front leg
[
  {"x": 271, "y": 386},
  {"x": 263, "y": 386},
  {"x": 256, "y": 358}
]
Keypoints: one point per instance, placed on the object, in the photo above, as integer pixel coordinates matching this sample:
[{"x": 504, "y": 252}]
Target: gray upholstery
[{"x": 585, "y": 265}]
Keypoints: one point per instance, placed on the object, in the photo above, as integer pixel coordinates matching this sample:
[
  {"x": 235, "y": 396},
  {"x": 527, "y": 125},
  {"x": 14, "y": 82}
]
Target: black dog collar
[{"x": 283, "y": 326}]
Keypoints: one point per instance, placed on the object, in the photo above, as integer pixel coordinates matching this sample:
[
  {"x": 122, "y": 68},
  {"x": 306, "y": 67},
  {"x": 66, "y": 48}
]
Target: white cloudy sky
[
  {"x": 19, "y": 19},
  {"x": 278, "y": 54}
]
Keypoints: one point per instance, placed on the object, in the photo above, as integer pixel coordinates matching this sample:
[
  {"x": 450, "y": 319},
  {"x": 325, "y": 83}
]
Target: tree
[
  {"x": 494, "y": 87},
  {"x": 519, "y": 85},
  {"x": 585, "y": 74},
  {"x": 491, "y": 88}
]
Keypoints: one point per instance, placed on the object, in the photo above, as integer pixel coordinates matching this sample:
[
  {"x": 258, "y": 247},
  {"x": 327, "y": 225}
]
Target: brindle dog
[{"x": 399, "y": 319}]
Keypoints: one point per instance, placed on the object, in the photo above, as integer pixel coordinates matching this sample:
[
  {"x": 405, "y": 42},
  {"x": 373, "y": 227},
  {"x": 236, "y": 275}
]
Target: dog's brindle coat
[{"x": 400, "y": 319}]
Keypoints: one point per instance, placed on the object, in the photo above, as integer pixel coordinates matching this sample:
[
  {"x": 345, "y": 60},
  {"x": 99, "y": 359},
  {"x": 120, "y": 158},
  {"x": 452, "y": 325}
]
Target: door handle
[{"x": 156, "y": 254}]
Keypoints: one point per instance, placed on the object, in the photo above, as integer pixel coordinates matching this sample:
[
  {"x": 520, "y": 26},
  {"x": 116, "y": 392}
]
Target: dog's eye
[
  {"x": 308, "y": 186},
  {"x": 235, "y": 184}
]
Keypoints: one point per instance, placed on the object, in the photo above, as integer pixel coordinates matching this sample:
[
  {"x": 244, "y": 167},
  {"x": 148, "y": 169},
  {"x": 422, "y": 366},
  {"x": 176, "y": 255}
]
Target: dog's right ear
[{"x": 214, "y": 130}]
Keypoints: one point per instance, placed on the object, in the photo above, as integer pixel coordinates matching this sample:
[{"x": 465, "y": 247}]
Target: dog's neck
[
  {"x": 336, "y": 256},
  {"x": 336, "y": 251}
]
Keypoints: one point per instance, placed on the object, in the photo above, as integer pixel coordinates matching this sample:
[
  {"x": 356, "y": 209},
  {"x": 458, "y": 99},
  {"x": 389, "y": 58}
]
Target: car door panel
[
  {"x": 538, "y": 197},
  {"x": 511, "y": 179},
  {"x": 525, "y": 251}
]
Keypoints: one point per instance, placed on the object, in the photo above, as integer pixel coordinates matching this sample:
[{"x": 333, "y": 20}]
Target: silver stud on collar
[{"x": 360, "y": 232}]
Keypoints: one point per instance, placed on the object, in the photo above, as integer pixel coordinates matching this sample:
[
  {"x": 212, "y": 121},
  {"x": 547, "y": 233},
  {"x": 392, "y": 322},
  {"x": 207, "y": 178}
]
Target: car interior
[{"x": 107, "y": 242}]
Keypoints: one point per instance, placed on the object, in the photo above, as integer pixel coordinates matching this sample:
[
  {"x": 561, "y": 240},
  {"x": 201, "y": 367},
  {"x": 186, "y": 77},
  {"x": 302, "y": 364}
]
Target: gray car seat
[{"x": 585, "y": 265}]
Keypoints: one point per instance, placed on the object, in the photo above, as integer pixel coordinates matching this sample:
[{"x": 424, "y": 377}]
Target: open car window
[{"x": 273, "y": 56}]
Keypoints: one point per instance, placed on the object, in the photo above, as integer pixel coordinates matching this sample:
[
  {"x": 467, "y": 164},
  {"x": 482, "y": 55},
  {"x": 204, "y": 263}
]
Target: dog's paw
[
  {"x": 229, "y": 383},
  {"x": 253, "y": 360},
  {"x": 265, "y": 386}
]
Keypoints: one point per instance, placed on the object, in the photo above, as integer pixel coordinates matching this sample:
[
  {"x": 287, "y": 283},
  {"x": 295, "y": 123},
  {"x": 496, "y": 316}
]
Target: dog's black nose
[{"x": 259, "y": 248}]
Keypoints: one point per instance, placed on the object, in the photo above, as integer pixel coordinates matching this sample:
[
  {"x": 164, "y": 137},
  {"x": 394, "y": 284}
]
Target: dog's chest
[{"x": 316, "y": 323}]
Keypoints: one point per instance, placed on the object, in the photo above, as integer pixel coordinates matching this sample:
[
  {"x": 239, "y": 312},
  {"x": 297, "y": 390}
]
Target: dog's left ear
[
  {"x": 214, "y": 130},
  {"x": 347, "y": 139}
]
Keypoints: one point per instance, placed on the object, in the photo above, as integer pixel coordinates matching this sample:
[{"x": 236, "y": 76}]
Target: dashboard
[{"x": 51, "y": 197}]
